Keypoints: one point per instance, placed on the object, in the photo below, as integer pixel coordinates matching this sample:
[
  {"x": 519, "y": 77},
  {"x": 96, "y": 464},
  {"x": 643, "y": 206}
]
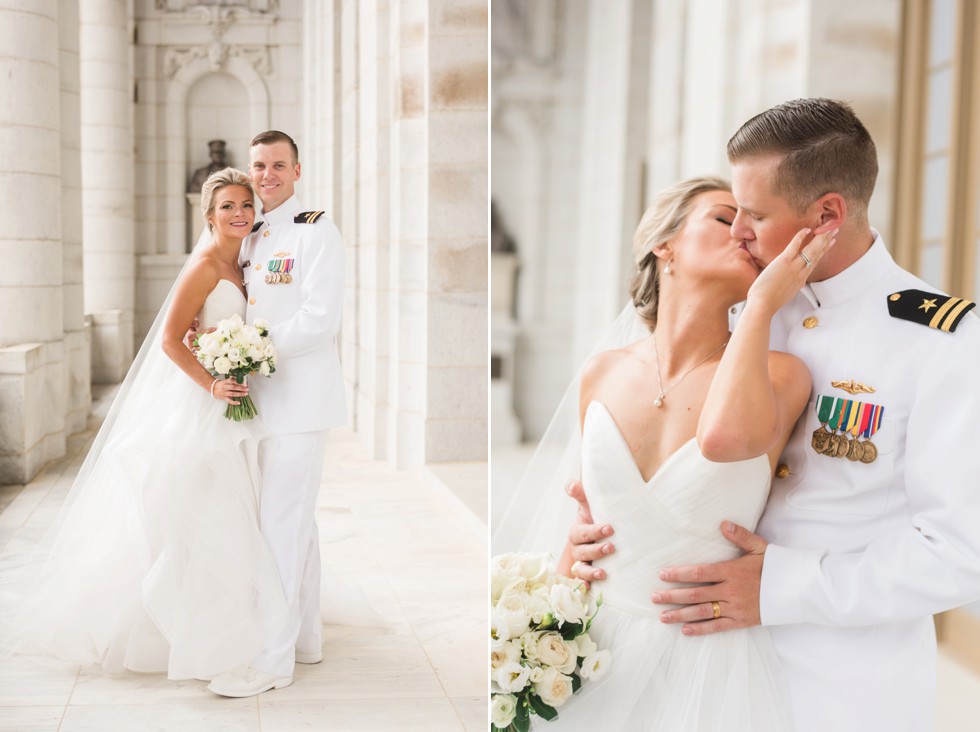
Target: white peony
[
  {"x": 222, "y": 365},
  {"x": 512, "y": 677},
  {"x": 568, "y": 604},
  {"x": 535, "y": 567},
  {"x": 503, "y": 708},
  {"x": 554, "y": 687},
  {"x": 209, "y": 344},
  {"x": 595, "y": 665}
]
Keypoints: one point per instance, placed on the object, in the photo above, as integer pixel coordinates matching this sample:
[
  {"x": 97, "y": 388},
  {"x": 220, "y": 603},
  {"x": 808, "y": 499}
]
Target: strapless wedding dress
[
  {"x": 659, "y": 679},
  {"x": 158, "y": 561}
]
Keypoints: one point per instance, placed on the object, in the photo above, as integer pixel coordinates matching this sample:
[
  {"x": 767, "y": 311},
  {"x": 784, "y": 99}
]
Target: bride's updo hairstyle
[
  {"x": 217, "y": 181},
  {"x": 660, "y": 222}
]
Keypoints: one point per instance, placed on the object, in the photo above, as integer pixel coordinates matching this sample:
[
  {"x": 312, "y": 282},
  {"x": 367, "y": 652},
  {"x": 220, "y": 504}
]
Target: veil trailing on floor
[
  {"x": 158, "y": 464},
  {"x": 540, "y": 513}
]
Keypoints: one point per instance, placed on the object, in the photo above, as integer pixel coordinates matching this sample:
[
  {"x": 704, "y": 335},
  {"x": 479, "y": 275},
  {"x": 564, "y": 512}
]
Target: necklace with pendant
[{"x": 659, "y": 401}]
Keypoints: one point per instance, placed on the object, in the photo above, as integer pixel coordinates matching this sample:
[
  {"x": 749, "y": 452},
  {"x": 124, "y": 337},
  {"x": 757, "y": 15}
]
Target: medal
[{"x": 846, "y": 428}]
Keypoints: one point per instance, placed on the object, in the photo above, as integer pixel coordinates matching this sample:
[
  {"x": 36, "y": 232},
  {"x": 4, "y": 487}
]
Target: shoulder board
[
  {"x": 307, "y": 217},
  {"x": 258, "y": 225},
  {"x": 942, "y": 312}
]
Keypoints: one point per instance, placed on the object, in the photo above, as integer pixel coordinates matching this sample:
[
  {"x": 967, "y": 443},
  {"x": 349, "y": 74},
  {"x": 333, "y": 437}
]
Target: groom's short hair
[
  {"x": 823, "y": 147},
  {"x": 270, "y": 137}
]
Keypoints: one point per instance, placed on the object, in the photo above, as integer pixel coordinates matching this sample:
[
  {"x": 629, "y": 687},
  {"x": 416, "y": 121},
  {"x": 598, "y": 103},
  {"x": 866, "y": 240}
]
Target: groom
[
  {"x": 863, "y": 551},
  {"x": 293, "y": 266}
]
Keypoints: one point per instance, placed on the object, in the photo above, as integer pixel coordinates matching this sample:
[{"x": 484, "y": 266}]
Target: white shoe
[
  {"x": 309, "y": 657},
  {"x": 246, "y": 681}
]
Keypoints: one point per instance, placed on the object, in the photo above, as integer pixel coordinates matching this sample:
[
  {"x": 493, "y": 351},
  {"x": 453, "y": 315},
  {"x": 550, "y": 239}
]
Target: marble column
[
  {"x": 32, "y": 347},
  {"x": 107, "y": 185},
  {"x": 78, "y": 359}
]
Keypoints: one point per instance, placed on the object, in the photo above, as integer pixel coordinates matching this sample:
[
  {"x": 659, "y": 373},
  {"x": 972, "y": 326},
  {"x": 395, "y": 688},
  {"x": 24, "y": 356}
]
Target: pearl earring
[{"x": 667, "y": 268}]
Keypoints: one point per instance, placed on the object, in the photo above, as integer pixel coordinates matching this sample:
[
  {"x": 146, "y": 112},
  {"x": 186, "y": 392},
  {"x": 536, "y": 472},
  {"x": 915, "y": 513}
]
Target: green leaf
[
  {"x": 522, "y": 725},
  {"x": 576, "y": 682},
  {"x": 541, "y": 709},
  {"x": 521, "y": 711}
]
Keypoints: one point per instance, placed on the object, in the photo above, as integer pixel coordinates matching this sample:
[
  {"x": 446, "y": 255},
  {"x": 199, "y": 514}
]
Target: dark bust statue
[{"x": 216, "y": 149}]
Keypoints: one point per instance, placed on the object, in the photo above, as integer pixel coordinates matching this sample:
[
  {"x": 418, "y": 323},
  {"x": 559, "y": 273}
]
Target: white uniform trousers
[{"x": 290, "y": 483}]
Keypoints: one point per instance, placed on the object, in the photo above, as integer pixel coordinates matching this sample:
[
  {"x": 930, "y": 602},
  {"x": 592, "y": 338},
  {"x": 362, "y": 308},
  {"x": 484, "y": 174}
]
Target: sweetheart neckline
[
  {"x": 225, "y": 279},
  {"x": 670, "y": 458}
]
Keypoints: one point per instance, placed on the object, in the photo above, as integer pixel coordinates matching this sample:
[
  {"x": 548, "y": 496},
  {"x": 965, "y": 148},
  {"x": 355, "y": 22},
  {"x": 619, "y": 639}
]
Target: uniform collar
[
  {"x": 284, "y": 213},
  {"x": 852, "y": 282}
]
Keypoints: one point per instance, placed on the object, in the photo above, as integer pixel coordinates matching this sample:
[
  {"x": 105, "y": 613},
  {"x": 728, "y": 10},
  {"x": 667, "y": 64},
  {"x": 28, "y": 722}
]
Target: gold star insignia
[{"x": 926, "y": 304}]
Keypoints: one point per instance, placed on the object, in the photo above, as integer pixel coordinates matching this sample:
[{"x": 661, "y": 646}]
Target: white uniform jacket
[
  {"x": 863, "y": 554},
  {"x": 306, "y": 393}
]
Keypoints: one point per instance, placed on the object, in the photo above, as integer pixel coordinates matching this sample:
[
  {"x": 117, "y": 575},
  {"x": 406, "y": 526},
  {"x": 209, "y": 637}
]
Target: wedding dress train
[
  {"x": 659, "y": 679},
  {"x": 157, "y": 563}
]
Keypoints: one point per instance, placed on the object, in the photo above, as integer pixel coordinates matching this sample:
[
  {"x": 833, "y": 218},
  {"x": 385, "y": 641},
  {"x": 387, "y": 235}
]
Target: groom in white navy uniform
[
  {"x": 867, "y": 542},
  {"x": 293, "y": 265}
]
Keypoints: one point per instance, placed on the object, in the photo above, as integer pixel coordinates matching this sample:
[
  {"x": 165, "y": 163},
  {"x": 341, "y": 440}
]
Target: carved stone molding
[
  {"x": 217, "y": 53},
  {"x": 260, "y": 7}
]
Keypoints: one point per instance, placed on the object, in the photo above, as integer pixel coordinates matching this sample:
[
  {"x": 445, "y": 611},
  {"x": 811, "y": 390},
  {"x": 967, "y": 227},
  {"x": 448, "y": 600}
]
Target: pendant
[{"x": 659, "y": 401}]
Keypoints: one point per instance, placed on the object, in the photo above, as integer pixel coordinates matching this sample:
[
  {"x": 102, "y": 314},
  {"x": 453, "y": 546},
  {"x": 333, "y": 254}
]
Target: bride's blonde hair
[
  {"x": 215, "y": 182},
  {"x": 663, "y": 219}
]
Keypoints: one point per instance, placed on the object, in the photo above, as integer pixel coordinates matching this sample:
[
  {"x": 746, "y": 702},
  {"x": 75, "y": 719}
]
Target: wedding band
[
  {"x": 716, "y": 606},
  {"x": 807, "y": 260}
]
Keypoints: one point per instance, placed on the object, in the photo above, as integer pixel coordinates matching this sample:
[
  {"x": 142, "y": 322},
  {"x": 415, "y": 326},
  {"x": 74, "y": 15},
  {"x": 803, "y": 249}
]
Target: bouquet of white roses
[
  {"x": 540, "y": 649},
  {"x": 235, "y": 349}
]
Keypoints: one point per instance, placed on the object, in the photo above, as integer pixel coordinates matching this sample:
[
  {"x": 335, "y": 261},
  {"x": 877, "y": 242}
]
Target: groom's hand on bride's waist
[
  {"x": 587, "y": 538},
  {"x": 727, "y": 595}
]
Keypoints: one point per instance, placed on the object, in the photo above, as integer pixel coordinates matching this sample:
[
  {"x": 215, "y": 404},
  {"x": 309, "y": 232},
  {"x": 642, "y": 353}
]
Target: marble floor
[{"x": 421, "y": 563}]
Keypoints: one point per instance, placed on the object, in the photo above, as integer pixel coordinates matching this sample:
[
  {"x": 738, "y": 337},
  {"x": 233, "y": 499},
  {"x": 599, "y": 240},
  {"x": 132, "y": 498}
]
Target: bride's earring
[{"x": 667, "y": 268}]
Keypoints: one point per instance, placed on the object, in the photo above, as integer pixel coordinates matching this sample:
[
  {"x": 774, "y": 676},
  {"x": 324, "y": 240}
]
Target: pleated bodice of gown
[{"x": 660, "y": 680}]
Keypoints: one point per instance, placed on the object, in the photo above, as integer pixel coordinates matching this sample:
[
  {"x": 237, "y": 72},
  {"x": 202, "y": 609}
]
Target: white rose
[
  {"x": 503, "y": 708},
  {"x": 568, "y": 604},
  {"x": 209, "y": 344},
  {"x": 553, "y": 650},
  {"x": 222, "y": 365},
  {"x": 535, "y": 567},
  {"x": 586, "y": 645},
  {"x": 528, "y": 644},
  {"x": 264, "y": 368},
  {"x": 554, "y": 687},
  {"x": 536, "y": 674},
  {"x": 504, "y": 571},
  {"x": 234, "y": 355},
  {"x": 249, "y": 336},
  {"x": 512, "y": 677},
  {"x": 255, "y": 352},
  {"x": 270, "y": 352},
  {"x": 507, "y": 653},
  {"x": 261, "y": 324},
  {"x": 514, "y": 610},
  {"x": 595, "y": 665},
  {"x": 208, "y": 362}
]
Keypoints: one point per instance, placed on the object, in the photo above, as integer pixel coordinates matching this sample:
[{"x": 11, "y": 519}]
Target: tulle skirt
[
  {"x": 157, "y": 563},
  {"x": 662, "y": 681}
]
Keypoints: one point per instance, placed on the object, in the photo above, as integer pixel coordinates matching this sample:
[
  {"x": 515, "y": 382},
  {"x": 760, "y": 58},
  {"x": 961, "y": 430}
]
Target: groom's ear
[{"x": 830, "y": 211}]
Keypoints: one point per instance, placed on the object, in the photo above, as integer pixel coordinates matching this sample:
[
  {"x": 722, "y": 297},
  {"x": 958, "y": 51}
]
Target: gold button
[
  {"x": 782, "y": 470},
  {"x": 252, "y": 301},
  {"x": 265, "y": 233},
  {"x": 896, "y": 296},
  {"x": 258, "y": 267},
  {"x": 810, "y": 322}
]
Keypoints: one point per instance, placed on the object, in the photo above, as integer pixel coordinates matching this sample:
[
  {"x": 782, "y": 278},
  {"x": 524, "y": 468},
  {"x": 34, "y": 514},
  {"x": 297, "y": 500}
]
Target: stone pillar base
[
  {"x": 32, "y": 409},
  {"x": 112, "y": 345},
  {"x": 78, "y": 370},
  {"x": 156, "y": 274}
]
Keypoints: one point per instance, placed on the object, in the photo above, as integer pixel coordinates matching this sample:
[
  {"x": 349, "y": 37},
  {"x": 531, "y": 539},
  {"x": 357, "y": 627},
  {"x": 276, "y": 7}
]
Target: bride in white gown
[
  {"x": 156, "y": 563},
  {"x": 680, "y": 431}
]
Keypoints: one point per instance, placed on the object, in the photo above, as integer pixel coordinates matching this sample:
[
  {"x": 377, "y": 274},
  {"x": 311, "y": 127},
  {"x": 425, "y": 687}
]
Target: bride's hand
[
  {"x": 228, "y": 390},
  {"x": 586, "y": 539},
  {"x": 779, "y": 282}
]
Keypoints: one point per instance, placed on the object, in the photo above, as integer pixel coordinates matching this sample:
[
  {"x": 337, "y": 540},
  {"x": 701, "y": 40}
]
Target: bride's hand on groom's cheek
[
  {"x": 587, "y": 538},
  {"x": 728, "y": 597}
]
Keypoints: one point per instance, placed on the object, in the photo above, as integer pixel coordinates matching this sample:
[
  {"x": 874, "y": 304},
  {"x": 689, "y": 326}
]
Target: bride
[
  {"x": 681, "y": 429},
  {"x": 156, "y": 562}
]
